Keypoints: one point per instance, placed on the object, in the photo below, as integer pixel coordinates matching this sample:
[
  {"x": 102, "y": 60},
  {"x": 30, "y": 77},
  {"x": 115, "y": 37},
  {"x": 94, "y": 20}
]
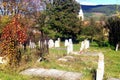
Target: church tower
[{"x": 81, "y": 15}]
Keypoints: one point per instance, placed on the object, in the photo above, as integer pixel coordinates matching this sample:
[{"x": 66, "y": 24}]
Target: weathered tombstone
[
  {"x": 87, "y": 44},
  {"x": 45, "y": 42},
  {"x": 70, "y": 45},
  {"x": 50, "y": 43},
  {"x": 117, "y": 45},
  {"x": 66, "y": 43},
  {"x": 68, "y": 49},
  {"x": 100, "y": 70},
  {"x": 32, "y": 45},
  {"x": 57, "y": 43},
  {"x": 82, "y": 46},
  {"x": 59, "y": 39}
]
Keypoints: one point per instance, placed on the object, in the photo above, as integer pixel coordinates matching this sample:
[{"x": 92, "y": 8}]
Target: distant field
[{"x": 94, "y": 15}]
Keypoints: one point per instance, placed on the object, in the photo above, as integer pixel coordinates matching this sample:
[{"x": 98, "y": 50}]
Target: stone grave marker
[{"x": 51, "y": 43}]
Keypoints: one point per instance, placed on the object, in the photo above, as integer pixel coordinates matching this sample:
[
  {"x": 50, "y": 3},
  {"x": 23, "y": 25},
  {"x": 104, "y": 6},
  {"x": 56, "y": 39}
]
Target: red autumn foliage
[
  {"x": 12, "y": 35},
  {"x": 14, "y": 31}
]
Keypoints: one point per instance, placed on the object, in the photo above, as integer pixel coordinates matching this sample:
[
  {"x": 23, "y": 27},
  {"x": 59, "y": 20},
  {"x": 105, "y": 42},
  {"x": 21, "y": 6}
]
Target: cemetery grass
[
  {"x": 17, "y": 76},
  {"x": 82, "y": 64},
  {"x": 111, "y": 61}
]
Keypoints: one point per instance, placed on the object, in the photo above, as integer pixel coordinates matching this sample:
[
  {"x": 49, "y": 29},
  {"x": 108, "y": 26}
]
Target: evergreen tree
[
  {"x": 62, "y": 20},
  {"x": 113, "y": 25}
]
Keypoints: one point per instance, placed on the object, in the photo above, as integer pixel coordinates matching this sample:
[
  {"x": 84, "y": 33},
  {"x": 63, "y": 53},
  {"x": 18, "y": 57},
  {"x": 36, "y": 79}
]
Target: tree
[
  {"x": 92, "y": 29},
  {"x": 22, "y": 7},
  {"x": 4, "y": 20},
  {"x": 12, "y": 35},
  {"x": 113, "y": 25},
  {"x": 28, "y": 9},
  {"x": 62, "y": 18}
]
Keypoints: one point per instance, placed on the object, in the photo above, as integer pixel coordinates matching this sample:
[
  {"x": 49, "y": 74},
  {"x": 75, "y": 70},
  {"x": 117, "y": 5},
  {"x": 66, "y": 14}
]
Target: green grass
[
  {"x": 112, "y": 61},
  {"x": 112, "y": 64},
  {"x": 83, "y": 64},
  {"x": 12, "y": 76}
]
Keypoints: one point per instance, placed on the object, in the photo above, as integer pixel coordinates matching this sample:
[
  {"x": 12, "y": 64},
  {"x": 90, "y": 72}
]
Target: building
[{"x": 81, "y": 15}]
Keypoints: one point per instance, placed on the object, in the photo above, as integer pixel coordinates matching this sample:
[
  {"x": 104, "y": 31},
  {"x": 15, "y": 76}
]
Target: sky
[{"x": 98, "y": 2}]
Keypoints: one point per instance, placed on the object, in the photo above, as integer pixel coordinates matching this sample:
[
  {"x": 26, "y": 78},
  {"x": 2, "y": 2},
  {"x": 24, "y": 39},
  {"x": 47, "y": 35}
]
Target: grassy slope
[
  {"x": 112, "y": 64},
  {"x": 83, "y": 64}
]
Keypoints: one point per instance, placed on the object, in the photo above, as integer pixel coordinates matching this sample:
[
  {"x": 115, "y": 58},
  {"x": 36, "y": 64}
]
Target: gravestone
[
  {"x": 50, "y": 43},
  {"x": 84, "y": 45},
  {"x": 32, "y": 45},
  {"x": 66, "y": 43},
  {"x": 68, "y": 49},
  {"x": 87, "y": 43},
  {"x": 57, "y": 43},
  {"x": 54, "y": 73},
  {"x": 117, "y": 46},
  {"x": 100, "y": 70},
  {"x": 69, "y": 46},
  {"x": 45, "y": 42}
]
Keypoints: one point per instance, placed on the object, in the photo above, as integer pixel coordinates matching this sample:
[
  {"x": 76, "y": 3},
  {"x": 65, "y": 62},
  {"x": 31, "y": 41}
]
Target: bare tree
[{"x": 24, "y": 7}]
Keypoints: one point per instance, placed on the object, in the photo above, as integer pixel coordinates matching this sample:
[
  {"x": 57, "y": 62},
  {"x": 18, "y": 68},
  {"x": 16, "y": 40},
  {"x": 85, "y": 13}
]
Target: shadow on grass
[{"x": 93, "y": 72}]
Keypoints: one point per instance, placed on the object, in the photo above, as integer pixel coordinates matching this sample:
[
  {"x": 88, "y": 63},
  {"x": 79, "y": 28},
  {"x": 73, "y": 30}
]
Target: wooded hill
[{"x": 99, "y": 10}]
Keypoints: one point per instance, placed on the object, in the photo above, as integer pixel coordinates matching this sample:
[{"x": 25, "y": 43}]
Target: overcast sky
[{"x": 98, "y": 2}]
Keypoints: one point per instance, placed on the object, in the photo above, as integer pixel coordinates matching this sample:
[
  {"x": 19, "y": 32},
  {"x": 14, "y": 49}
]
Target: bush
[{"x": 103, "y": 44}]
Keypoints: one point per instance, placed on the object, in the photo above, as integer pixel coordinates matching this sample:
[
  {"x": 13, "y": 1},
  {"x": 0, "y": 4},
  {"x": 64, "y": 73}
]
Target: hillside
[{"x": 99, "y": 10}]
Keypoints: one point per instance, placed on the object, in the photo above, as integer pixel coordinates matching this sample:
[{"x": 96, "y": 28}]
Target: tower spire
[{"x": 81, "y": 15}]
